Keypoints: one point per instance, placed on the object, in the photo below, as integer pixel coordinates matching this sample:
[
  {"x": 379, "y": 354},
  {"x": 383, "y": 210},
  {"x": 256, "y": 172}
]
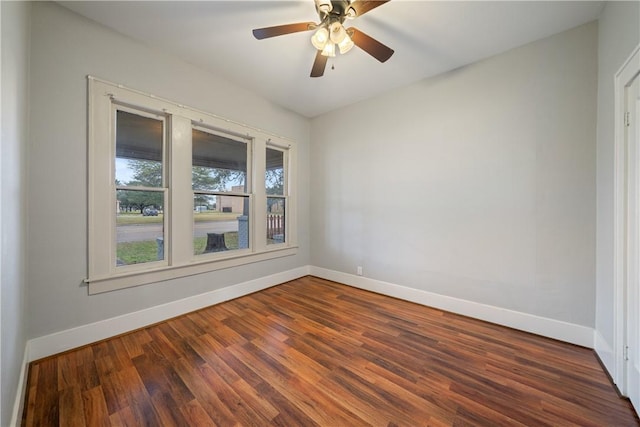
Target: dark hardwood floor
[{"x": 313, "y": 352}]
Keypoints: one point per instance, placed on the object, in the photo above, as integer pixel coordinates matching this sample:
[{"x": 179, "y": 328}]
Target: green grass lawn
[
  {"x": 137, "y": 252},
  {"x": 147, "y": 251}
]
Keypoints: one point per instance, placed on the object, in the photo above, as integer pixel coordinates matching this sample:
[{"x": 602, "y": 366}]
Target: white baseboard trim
[
  {"x": 48, "y": 345},
  {"x": 605, "y": 353},
  {"x": 86, "y": 334},
  {"x": 18, "y": 404},
  {"x": 556, "y": 329}
]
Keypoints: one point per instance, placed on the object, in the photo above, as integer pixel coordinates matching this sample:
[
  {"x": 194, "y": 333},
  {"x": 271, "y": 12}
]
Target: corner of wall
[
  {"x": 604, "y": 352},
  {"x": 15, "y": 76},
  {"x": 18, "y": 405}
]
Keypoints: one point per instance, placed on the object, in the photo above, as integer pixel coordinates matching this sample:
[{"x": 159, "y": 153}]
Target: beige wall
[
  {"x": 65, "y": 49},
  {"x": 491, "y": 168}
]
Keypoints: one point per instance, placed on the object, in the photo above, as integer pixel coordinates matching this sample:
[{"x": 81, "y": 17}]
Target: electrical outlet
[{"x": 359, "y": 271}]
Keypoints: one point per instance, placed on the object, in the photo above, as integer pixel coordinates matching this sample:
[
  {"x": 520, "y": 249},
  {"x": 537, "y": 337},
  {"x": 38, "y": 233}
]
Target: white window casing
[{"x": 179, "y": 121}]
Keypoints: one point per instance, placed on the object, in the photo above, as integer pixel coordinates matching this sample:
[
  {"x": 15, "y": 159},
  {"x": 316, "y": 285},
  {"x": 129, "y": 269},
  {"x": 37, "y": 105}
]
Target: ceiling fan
[{"x": 330, "y": 34}]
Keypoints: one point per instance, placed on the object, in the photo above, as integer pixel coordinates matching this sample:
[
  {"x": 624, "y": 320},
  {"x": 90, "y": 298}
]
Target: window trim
[
  {"x": 249, "y": 184},
  {"x": 103, "y": 276},
  {"x": 285, "y": 191},
  {"x": 164, "y": 188}
]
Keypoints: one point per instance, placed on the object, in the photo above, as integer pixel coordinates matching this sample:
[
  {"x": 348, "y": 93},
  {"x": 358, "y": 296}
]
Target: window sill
[{"x": 142, "y": 277}]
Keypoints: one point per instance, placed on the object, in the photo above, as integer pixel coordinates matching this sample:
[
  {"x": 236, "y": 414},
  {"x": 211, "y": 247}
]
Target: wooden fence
[{"x": 275, "y": 225}]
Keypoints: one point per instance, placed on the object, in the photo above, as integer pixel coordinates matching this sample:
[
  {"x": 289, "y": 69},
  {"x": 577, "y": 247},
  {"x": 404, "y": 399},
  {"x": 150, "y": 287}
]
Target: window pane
[
  {"x": 219, "y": 163},
  {"x": 138, "y": 150},
  {"x": 274, "y": 177},
  {"x": 139, "y": 227},
  {"x": 275, "y": 220},
  {"x": 220, "y": 223}
]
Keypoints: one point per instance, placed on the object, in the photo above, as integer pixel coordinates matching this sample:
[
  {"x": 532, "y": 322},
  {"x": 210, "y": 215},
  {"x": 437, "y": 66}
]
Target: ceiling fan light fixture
[
  {"x": 345, "y": 45},
  {"x": 337, "y": 32},
  {"x": 324, "y": 6},
  {"x": 320, "y": 38},
  {"x": 329, "y": 50},
  {"x": 330, "y": 34}
]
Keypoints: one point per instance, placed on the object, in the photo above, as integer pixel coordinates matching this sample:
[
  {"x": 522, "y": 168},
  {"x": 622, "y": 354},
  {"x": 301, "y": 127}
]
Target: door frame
[{"x": 621, "y": 258}]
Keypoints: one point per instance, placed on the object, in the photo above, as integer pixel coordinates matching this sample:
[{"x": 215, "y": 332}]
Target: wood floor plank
[
  {"x": 71, "y": 404},
  {"x": 311, "y": 352},
  {"x": 124, "y": 418},
  {"x": 29, "y": 412},
  {"x": 47, "y": 410},
  {"x": 242, "y": 411},
  {"x": 251, "y": 396},
  {"x": 215, "y": 409},
  {"x": 168, "y": 410},
  {"x": 95, "y": 409},
  {"x": 195, "y": 415}
]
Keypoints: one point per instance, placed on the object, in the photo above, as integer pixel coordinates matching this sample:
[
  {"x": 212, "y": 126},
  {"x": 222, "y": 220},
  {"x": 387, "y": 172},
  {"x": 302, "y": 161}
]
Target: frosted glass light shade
[
  {"x": 329, "y": 50},
  {"x": 337, "y": 32},
  {"x": 345, "y": 45},
  {"x": 320, "y": 38}
]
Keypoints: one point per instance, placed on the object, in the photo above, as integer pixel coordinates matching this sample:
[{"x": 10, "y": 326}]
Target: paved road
[{"x": 138, "y": 233}]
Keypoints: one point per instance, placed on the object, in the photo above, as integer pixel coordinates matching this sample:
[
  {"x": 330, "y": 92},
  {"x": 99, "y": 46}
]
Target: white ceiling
[{"x": 428, "y": 37}]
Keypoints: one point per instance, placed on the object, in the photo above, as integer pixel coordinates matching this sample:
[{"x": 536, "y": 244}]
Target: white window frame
[
  {"x": 115, "y": 107},
  {"x": 286, "y": 153},
  {"x": 249, "y": 184},
  {"x": 180, "y": 261}
]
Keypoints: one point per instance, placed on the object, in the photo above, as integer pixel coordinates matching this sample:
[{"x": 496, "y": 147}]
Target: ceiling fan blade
[
  {"x": 370, "y": 45},
  {"x": 281, "y": 30},
  {"x": 363, "y": 6},
  {"x": 318, "y": 65}
]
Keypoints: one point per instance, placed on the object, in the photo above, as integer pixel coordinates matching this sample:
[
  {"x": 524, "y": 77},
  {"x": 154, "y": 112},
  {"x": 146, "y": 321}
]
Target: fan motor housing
[{"x": 339, "y": 9}]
